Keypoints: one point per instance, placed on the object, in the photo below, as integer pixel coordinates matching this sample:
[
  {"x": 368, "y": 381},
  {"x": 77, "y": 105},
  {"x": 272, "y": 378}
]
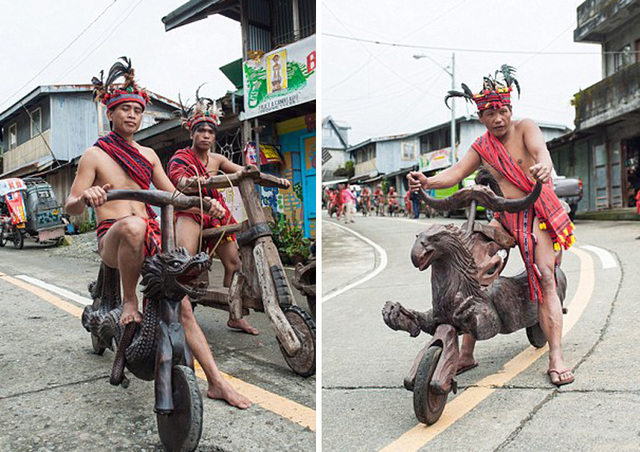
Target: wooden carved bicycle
[
  {"x": 468, "y": 294},
  {"x": 261, "y": 285},
  {"x": 156, "y": 349}
]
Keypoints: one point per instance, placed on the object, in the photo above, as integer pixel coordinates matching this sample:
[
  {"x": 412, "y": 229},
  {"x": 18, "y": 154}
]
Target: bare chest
[{"x": 110, "y": 172}]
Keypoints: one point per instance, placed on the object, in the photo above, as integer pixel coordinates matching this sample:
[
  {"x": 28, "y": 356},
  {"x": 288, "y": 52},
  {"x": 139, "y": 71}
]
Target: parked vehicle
[
  {"x": 29, "y": 209},
  {"x": 469, "y": 181},
  {"x": 568, "y": 189}
]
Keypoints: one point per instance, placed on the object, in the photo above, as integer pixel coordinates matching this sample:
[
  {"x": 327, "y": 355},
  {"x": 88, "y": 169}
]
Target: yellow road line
[
  {"x": 295, "y": 412},
  {"x": 421, "y": 435}
]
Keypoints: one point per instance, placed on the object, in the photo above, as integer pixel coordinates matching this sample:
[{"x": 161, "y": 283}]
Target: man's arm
[
  {"x": 83, "y": 192},
  {"x": 449, "y": 177},
  {"x": 228, "y": 166},
  {"x": 536, "y": 146},
  {"x": 162, "y": 182}
]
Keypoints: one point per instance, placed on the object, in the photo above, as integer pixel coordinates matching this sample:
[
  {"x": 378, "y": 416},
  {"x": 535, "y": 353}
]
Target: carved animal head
[
  {"x": 441, "y": 241},
  {"x": 175, "y": 274}
]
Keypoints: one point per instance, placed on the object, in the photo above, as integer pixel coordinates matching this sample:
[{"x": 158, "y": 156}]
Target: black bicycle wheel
[
  {"x": 427, "y": 404},
  {"x": 180, "y": 431},
  {"x": 304, "y": 362}
]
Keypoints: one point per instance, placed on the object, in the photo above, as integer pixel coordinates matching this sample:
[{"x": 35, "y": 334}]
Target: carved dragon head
[{"x": 175, "y": 274}]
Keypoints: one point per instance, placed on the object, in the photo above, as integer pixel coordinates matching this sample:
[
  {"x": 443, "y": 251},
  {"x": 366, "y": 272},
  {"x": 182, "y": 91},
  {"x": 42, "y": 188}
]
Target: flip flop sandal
[
  {"x": 560, "y": 372},
  {"x": 466, "y": 368}
]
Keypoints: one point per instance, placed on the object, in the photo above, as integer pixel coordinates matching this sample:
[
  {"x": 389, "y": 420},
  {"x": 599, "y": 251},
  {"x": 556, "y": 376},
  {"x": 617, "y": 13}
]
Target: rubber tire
[
  {"x": 488, "y": 214},
  {"x": 536, "y": 336},
  {"x": 572, "y": 212},
  {"x": 95, "y": 343},
  {"x": 302, "y": 363},
  {"x": 181, "y": 430},
  {"x": 3, "y": 239},
  {"x": 427, "y": 405},
  {"x": 18, "y": 240}
]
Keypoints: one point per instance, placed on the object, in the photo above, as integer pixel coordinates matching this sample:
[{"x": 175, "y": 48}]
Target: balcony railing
[
  {"x": 27, "y": 152},
  {"x": 365, "y": 167},
  {"x": 597, "y": 18},
  {"x": 609, "y": 99}
]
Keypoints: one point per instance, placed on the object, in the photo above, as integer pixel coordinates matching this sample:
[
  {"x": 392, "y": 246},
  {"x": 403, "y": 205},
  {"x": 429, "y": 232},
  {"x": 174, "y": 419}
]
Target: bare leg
[
  {"x": 122, "y": 248},
  {"x": 466, "y": 359},
  {"x": 550, "y": 310},
  {"x": 218, "y": 388},
  {"x": 228, "y": 253}
]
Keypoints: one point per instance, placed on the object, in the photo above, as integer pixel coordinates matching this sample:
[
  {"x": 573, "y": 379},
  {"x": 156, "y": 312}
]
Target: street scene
[
  {"x": 480, "y": 222},
  {"x": 158, "y": 226},
  {"x": 56, "y": 393},
  {"x": 507, "y": 402}
]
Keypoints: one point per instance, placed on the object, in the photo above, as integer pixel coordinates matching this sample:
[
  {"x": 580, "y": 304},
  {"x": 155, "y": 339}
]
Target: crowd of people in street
[{"x": 345, "y": 200}]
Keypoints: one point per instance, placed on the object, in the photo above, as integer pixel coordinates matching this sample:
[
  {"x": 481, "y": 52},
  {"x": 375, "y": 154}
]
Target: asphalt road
[
  {"x": 505, "y": 404},
  {"x": 55, "y": 394}
]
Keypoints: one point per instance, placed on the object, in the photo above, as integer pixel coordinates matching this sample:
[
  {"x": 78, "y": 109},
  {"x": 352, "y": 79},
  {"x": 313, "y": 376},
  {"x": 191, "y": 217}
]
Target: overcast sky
[
  {"x": 33, "y": 32},
  {"x": 382, "y": 90}
]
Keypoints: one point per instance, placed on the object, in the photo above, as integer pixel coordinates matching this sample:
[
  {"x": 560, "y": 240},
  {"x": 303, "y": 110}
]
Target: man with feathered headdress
[
  {"x": 127, "y": 230},
  {"x": 198, "y": 162},
  {"x": 515, "y": 153}
]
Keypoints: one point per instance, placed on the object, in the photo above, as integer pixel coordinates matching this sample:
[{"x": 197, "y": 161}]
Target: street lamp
[{"x": 451, "y": 70}]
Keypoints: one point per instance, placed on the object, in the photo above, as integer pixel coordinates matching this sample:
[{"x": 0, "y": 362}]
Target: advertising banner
[
  {"x": 279, "y": 79},
  {"x": 435, "y": 160}
]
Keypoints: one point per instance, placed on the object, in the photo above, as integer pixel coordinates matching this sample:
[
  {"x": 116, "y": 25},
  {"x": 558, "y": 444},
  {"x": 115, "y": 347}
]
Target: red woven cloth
[
  {"x": 136, "y": 165},
  {"x": 547, "y": 209},
  {"x": 185, "y": 163}
]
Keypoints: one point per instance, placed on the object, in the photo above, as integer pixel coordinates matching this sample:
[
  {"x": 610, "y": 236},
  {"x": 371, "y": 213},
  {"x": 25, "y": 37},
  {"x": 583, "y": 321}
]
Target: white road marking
[
  {"x": 608, "y": 261},
  {"x": 55, "y": 289},
  {"x": 383, "y": 263}
]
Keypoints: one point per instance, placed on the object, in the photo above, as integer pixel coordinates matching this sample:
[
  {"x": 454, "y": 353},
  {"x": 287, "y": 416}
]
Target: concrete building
[
  {"x": 604, "y": 149},
  {"x": 335, "y": 142}
]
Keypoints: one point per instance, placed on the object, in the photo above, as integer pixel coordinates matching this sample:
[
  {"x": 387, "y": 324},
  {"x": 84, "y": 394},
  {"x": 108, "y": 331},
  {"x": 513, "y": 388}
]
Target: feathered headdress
[
  {"x": 494, "y": 94},
  {"x": 113, "y": 95},
  {"x": 204, "y": 110}
]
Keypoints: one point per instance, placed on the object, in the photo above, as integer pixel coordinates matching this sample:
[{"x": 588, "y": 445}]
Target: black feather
[{"x": 119, "y": 69}]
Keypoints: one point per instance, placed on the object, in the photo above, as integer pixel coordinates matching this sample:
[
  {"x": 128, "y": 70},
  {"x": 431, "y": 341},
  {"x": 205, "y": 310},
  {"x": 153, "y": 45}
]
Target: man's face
[
  {"x": 497, "y": 121},
  {"x": 203, "y": 137},
  {"x": 126, "y": 118}
]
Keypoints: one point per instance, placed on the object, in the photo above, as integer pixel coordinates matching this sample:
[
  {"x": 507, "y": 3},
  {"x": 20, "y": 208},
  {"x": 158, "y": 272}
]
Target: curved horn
[{"x": 484, "y": 196}]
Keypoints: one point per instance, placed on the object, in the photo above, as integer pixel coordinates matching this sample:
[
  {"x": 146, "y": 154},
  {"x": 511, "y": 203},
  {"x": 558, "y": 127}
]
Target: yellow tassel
[
  {"x": 561, "y": 238},
  {"x": 543, "y": 226},
  {"x": 573, "y": 239},
  {"x": 565, "y": 231},
  {"x": 556, "y": 246}
]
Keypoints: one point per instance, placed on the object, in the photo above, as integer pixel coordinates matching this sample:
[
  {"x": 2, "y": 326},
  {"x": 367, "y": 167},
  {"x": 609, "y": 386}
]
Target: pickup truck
[{"x": 568, "y": 189}]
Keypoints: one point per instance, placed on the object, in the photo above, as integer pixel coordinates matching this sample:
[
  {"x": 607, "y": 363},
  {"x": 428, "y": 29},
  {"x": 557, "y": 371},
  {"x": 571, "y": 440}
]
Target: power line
[
  {"x": 112, "y": 29},
  {"x": 59, "y": 54},
  {"x": 460, "y": 49}
]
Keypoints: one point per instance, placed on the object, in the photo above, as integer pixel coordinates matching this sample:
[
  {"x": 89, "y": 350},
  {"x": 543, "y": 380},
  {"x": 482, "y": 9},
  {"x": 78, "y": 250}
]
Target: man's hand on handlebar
[
  {"x": 284, "y": 182},
  {"x": 541, "y": 172},
  {"x": 96, "y": 195},
  {"x": 216, "y": 210},
  {"x": 417, "y": 180}
]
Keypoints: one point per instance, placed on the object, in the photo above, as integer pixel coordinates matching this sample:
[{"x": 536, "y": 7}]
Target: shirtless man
[
  {"x": 185, "y": 167},
  {"x": 127, "y": 231},
  {"x": 514, "y": 151}
]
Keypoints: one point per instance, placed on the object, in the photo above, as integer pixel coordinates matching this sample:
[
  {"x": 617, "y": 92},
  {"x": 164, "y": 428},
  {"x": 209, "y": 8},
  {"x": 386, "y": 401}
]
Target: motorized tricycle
[
  {"x": 29, "y": 209},
  {"x": 468, "y": 293}
]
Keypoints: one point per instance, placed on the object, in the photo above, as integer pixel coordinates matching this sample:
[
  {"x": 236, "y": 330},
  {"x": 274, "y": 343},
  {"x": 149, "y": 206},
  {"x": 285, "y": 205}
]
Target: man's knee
[
  {"x": 547, "y": 279},
  {"x": 132, "y": 229}
]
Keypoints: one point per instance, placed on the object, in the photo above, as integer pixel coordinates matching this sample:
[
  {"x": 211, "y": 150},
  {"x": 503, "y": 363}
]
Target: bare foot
[
  {"x": 130, "y": 313},
  {"x": 465, "y": 364},
  {"x": 242, "y": 325},
  {"x": 224, "y": 391}
]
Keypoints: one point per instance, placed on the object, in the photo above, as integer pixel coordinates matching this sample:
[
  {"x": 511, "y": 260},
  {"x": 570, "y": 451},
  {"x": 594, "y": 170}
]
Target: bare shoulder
[
  {"x": 525, "y": 124},
  {"x": 148, "y": 152},
  {"x": 91, "y": 155}
]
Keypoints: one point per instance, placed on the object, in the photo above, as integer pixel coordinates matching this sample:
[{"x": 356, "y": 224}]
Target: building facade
[
  {"x": 604, "y": 149},
  {"x": 45, "y": 133},
  {"x": 277, "y": 97}
]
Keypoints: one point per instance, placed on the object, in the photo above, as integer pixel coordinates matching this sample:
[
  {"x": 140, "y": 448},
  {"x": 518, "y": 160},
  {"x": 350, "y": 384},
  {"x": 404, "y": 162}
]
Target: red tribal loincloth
[
  {"x": 547, "y": 209},
  {"x": 185, "y": 163}
]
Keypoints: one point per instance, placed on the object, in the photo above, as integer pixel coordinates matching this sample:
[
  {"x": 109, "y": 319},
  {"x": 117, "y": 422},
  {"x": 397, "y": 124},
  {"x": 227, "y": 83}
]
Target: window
[
  {"x": 622, "y": 58},
  {"x": 36, "y": 122},
  {"x": 408, "y": 151},
  {"x": 13, "y": 136}
]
